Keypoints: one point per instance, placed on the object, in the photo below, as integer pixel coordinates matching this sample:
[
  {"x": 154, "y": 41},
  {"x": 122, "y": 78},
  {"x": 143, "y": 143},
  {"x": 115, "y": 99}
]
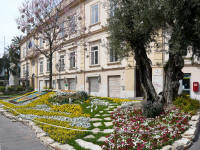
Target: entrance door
[
  {"x": 61, "y": 84},
  {"x": 93, "y": 85},
  {"x": 114, "y": 86},
  {"x": 41, "y": 85},
  {"x": 72, "y": 84}
]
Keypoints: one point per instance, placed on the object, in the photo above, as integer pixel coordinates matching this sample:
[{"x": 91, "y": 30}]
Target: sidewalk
[{"x": 16, "y": 136}]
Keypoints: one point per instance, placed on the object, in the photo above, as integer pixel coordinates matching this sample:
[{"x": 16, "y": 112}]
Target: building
[{"x": 91, "y": 67}]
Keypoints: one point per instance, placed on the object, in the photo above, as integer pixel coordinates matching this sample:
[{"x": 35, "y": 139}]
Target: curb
[
  {"x": 40, "y": 134},
  {"x": 188, "y": 137}
]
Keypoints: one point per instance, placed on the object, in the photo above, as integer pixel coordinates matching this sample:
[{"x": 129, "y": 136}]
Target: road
[
  {"x": 196, "y": 144},
  {"x": 16, "y": 136}
]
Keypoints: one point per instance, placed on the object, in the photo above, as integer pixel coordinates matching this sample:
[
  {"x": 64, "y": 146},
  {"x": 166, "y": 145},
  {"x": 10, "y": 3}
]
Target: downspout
[{"x": 84, "y": 44}]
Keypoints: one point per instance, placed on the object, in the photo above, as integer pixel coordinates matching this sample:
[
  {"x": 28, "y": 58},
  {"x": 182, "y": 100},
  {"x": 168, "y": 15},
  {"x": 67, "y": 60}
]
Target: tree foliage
[{"x": 135, "y": 25}]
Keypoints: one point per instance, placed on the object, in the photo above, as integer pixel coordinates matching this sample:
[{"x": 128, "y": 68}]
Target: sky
[{"x": 8, "y": 27}]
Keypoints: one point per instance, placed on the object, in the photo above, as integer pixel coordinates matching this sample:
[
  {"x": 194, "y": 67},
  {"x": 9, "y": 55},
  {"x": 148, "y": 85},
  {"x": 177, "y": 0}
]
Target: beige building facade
[{"x": 87, "y": 64}]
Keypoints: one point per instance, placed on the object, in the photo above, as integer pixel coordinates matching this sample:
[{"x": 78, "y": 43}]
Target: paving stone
[
  {"x": 64, "y": 147},
  {"x": 58, "y": 146},
  {"x": 88, "y": 145},
  {"x": 108, "y": 118},
  {"x": 110, "y": 111},
  {"x": 89, "y": 137},
  {"x": 96, "y": 119},
  {"x": 31, "y": 124},
  {"x": 46, "y": 140},
  {"x": 2, "y": 110},
  {"x": 95, "y": 130},
  {"x": 190, "y": 131},
  {"x": 180, "y": 144},
  {"x": 195, "y": 117},
  {"x": 111, "y": 106},
  {"x": 106, "y": 115},
  {"x": 102, "y": 139},
  {"x": 37, "y": 129},
  {"x": 97, "y": 124},
  {"x": 107, "y": 124},
  {"x": 97, "y": 115},
  {"x": 101, "y": 112},
  {"x": 193, "y": 123},
  {"x": 168, "y": 147},
  {"x": 41, "y": 134},
  {"x": 108, "y": 130}
]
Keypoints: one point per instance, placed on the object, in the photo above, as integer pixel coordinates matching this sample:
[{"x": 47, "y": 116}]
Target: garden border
[
  {"x": 40, "y": 134},
  {"x": 188, "y": 137}
]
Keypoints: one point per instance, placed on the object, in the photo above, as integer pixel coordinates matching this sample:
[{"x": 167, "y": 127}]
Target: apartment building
[{"x": 87, "y": 63}]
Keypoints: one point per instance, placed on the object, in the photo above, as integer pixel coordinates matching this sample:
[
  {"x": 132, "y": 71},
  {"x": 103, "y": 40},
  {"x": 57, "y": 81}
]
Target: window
[
  {"x": 112, "y": 9},
  {"x": 62, "y": 62},
  {"x": 94, "y": 55},
  {"x": 72, "y": 60},
  {"x": 95, "y": 14},
  {"x": 72, "y": 24},
  {"x": 62, "y": 30},
  {"x": 24, "y": 70},
  {"x": 27, "y": 71},
  {"x": 48, "y": 65},
  {"x": 41, "y": 66},
  {"x": 113, "y": 56},
  {"x": 41, "y": 43},
  {"x": 30, "y": 44},
  {"x": 24, "y": 52}
]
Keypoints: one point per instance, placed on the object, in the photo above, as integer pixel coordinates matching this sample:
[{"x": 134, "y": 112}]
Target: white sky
[{"x": 8, "y": 27}]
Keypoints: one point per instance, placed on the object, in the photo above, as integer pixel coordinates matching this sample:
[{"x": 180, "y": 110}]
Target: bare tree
[{"x": 51, "y": 22}]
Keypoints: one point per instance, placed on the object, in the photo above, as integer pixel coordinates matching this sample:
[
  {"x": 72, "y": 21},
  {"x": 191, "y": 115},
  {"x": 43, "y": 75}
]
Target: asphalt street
[
  {"x": 196, "y": 144},
  {"x": 16, "y": 136}
]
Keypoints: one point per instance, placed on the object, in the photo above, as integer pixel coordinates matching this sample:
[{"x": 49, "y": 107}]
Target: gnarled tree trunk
[
  {"x": 173, "y": 73},
  {"x": 145, "y": 69},
  {"x": 50, "y": 70}
]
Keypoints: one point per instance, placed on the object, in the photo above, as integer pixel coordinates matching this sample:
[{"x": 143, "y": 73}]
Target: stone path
[
  {"x": 100, "y": 122},
  {"x": 16, "y": 136}
]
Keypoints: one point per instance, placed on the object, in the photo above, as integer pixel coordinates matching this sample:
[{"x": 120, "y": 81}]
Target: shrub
[
  {"x": 59, "y": 99},
  {"x": 187, "y": 104},
  {"x": 2, "y": 88},
  {"x": 152, "y": 109},
  {"x": 11, "y": 88},
  {"x": 82, "y": 95},
  {"x": 20, "y": 88},
  {"x": 30, "y": 88}
]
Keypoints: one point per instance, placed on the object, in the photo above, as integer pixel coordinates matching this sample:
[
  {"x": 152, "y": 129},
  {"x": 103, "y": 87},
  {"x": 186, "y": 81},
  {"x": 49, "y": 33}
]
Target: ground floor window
[
  {"x": 186, "y": 83},
  {"x": 93, "y": 85},
  {"x": 72, "y": 84}
]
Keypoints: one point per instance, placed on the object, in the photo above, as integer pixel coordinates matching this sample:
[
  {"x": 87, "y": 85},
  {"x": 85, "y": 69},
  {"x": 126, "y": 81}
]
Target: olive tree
[{"x": 134, "y": 24}]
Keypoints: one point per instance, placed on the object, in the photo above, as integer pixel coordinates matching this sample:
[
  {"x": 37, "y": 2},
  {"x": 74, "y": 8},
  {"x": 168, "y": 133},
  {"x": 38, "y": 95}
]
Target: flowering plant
[{"x": 134, "y": 131}]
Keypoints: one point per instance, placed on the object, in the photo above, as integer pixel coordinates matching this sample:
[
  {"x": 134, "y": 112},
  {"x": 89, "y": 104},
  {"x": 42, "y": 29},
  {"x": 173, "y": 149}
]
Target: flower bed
[
  {"x": 134, "y": 131},
  {"x": 28, "y": 97},
  {"x": 115, "y": 100}
]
